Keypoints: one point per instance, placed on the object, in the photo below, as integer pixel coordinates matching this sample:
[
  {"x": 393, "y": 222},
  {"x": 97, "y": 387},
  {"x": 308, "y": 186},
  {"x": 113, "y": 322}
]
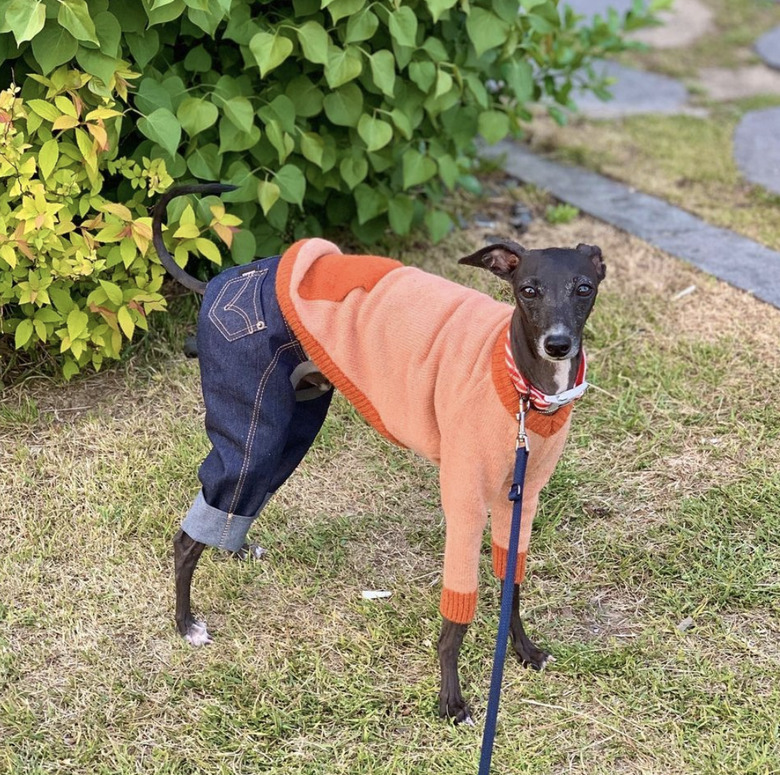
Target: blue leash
[{"x": 516, "y": 496}]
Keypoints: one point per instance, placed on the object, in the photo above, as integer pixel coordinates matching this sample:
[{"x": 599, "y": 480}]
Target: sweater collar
[{"x": 541, "y": 401}]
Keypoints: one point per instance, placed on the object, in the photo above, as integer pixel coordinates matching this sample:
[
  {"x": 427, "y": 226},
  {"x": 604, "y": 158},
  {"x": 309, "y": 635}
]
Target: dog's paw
[
  {"x": 198, "y": 635},
  {"x": 249, "y": 552},
  {"x": 533, "y": 657},
  {"x": 455, "y": 711}
]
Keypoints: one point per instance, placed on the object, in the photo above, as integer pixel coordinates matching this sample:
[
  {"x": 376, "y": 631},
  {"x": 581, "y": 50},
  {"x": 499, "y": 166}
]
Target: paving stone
[
  {"x": 768, "y": 47},
  {"x": 634, "y": 91},
  {"x": 725, "y": 84},
  {"x": 598, "y": 7},
  {"x": 757, "y": 147},
  {"x": 737, "y": 260},
  {"x": 688, "y": 21}
]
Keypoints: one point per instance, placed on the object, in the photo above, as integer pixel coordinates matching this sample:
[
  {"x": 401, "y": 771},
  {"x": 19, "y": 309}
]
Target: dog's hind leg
[
  {"x": 451, "y": 702},
  {"x": 528, "y": 654},
  {"x": 186, "y": 553}
]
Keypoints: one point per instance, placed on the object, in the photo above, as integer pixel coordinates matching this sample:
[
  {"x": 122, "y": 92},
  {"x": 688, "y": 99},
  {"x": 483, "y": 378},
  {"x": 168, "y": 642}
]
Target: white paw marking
[
  {"x": 198, "y": 635},
  {"x": 549, "y": 659},
  {"x": 468, "y": 721}
]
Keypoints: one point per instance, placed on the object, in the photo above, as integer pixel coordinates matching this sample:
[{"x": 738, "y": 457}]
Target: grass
[{"x": 663, "y": 509}]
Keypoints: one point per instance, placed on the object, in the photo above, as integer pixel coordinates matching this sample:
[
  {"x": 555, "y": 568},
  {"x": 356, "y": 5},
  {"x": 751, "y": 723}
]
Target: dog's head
[{"x": 554, "y": 290}]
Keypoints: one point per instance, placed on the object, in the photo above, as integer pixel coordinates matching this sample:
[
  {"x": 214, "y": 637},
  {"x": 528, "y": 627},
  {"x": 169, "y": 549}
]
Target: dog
[{"x": 432, "y": 365}]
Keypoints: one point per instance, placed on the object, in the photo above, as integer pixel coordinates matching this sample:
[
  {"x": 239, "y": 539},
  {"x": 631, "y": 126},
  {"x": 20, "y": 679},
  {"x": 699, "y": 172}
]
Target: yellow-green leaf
[
  {"x": 125, "y": 322},
  {"x": 47, "y": 157}
]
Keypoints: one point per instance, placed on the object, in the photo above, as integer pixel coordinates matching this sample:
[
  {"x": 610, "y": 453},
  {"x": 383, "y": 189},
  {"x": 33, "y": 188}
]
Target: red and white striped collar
[{"x": 540, "y": 401}]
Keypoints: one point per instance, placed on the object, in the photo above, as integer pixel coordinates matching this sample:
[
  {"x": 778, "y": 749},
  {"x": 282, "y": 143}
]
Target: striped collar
[{"x": 540, "y": 401}]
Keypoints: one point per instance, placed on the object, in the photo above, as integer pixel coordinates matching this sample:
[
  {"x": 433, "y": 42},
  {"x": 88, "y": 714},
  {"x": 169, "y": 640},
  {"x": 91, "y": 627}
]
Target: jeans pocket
[{"x": 238, "y": 309}]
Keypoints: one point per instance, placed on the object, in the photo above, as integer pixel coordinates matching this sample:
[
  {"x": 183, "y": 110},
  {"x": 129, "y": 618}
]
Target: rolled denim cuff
[{"x": 217, "y": 528}]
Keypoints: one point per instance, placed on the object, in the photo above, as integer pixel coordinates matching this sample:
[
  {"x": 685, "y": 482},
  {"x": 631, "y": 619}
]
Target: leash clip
[{"x": 522, "y": 436}]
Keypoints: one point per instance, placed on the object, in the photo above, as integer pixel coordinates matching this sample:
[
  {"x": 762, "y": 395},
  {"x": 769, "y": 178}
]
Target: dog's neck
[{"x": 551, "y": 377}]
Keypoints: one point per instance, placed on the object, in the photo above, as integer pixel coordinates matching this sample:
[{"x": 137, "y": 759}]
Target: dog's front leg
[
  {"x": 186, "y": 553},
  {"x": 529, "y": 654},
  {"x": 451, "y": 702}
]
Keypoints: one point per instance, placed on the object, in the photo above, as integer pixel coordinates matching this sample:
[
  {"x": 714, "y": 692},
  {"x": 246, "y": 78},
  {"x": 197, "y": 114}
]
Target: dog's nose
[{"x": 557, "y": 345}]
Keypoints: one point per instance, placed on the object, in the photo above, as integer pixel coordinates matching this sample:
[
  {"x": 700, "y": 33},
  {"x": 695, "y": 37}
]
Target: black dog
[{"x": 454, "y": 366}]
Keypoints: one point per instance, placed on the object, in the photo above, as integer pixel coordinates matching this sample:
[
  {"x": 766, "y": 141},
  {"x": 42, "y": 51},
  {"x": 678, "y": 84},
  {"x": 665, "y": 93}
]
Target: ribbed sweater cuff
[
  {"x": 499, "y": 563},
  {"x": 458, "y": 607}
]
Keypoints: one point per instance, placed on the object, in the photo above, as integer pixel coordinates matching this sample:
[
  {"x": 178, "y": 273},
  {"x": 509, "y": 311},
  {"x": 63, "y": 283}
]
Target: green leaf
[
  {"x": 438, "y": 7},
  {"x": 383, "y": 70},
  {"x": 244, "y": 247},
  {"x": 98, "y": 64},
  {"x": 269, "y": 51},
  {"x": 370, "y": 202},
  {"x": 374, "y": 132},
  {"x": 113, "y": 291},
  {"x": 423, "y": 74},
  {"x": 362, "y": 26},
  {"x": 343, "y": 66},
  {"x": 268, "y": 194},
  {"x": 53, "y": 46},
  {"x": 400, "y": 213},
  {"x": 74, "y": 16},
  {"x": 109, "y": 33},
  {"x": 345, "y": 105},
  {"x": 47, "y": 157},
  {"x": 240, "y": 113},
  {"x": 340, "y": 9},
  {"x": 77, "y": 323},
  {"x": 24, "y": 18},
  {"x": 493, "y": 125},
  {"x": 403, "y": 26},
  {"x": 305, "y": 96},
  {"x": 281, "y": 141},
  {"x": 417, "y": 168},
  {"x": 353, "y": 170},
  {"x": 233, "y": 139},
  {"x": 161, "y": 127},
  {"x": 439, "y": 224},
  {"x": 23, "y": 333},
  {"x": 314, "y": 41},
  {"x": 205, "y": 162},
  {"x": 312, "y": 147},
  {"x": 143, "y": 47},
  {"x": 402, "y": 122},
  {"x": 520, "y": 78},
  {"x": 292, "y": 184},
  {"x": 152, "y": 95},
  {"x": 486, "y": 30},
  {"x": 196, "y": 115},
  {"x": 198, "y": 60}
]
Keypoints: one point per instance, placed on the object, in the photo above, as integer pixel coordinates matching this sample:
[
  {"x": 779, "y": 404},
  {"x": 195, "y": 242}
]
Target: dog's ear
[
  {"x": 594, "y": 254},
  {"x": 501, "y": 259}
]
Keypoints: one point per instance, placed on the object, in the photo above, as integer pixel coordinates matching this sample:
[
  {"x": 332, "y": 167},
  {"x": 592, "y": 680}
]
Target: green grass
[
  {"x": 686, "y": 160},
  {"x": 664, "y": 507}
]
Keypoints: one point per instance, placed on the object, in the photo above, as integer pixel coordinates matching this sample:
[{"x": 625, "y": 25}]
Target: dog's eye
[
  {"x": 528, "y": 292},
  {"x": 584, "y": 290}
]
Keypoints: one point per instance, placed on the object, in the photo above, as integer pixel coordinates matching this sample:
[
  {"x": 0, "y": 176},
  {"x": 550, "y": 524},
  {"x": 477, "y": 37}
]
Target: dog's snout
[{"x": 557, "y": 345}]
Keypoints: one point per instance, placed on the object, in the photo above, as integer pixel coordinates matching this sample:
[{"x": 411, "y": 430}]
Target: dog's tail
[{"x": 187, "y": 280}]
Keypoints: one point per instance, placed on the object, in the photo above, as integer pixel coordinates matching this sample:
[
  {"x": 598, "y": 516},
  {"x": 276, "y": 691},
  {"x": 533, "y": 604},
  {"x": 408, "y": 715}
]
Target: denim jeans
[{"x": 259, "y": 427}]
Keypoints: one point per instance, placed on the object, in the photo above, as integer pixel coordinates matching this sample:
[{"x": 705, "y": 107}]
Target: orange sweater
[{"x": 422, "y": 359}]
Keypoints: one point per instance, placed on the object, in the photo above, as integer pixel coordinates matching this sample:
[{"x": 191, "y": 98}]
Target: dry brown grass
[{"x": 662, "y": 509}]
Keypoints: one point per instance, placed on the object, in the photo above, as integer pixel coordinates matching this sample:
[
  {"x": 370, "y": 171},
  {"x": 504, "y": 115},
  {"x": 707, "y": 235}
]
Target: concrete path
[
  {"x": 757, "y": 138},
  {"x": 737, "y": 260}
]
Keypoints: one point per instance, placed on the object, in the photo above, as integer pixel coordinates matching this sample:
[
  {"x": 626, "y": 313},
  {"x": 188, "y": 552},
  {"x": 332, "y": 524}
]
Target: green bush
[
  {"x": 324, "y": 112},
  {"x": 357, "y": 113}
]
